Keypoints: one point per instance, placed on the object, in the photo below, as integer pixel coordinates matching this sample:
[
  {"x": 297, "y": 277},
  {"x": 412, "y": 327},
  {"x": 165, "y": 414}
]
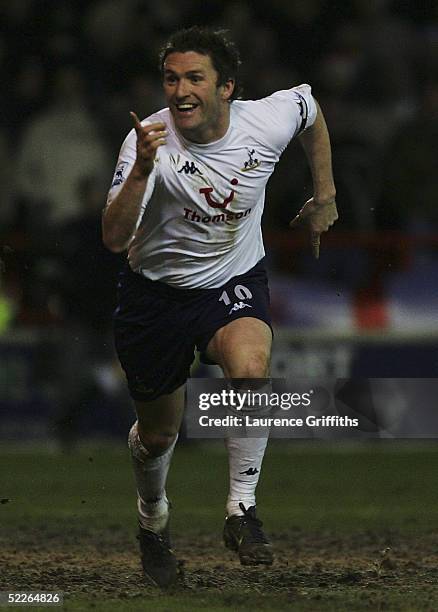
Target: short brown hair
[{"x": 222, "y": 51}]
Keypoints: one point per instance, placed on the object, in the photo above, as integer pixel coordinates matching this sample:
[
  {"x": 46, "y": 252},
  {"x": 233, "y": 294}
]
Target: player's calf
[{"x": 157, "y": 558}]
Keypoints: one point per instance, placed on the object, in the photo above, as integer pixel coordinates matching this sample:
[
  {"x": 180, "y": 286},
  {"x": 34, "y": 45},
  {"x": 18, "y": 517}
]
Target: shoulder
[
  {"x": 280, "y": 105},
  {"x": 279, "y": 117}
]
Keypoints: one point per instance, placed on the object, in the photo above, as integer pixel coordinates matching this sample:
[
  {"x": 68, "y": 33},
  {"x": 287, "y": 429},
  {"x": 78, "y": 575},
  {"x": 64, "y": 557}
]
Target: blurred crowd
[{"x": 73, "y": 69}]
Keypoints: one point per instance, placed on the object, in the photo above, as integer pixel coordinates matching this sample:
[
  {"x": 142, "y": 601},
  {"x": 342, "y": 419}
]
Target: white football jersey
[{"x": 200, "y": 220}]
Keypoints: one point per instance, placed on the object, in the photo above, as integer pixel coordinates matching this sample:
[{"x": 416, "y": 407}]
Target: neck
[{"x": 210, "y": 133}]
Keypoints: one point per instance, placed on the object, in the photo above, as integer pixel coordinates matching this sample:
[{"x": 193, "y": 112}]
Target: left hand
[{"x": 319, "y": 216}]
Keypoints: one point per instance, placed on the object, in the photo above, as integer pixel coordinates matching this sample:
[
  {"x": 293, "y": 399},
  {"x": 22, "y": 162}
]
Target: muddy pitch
[{"x": 106, "y": 564}]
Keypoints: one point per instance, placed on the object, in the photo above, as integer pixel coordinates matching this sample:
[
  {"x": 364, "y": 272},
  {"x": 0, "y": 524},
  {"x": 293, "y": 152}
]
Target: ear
[{"x": 227, "y": 89}]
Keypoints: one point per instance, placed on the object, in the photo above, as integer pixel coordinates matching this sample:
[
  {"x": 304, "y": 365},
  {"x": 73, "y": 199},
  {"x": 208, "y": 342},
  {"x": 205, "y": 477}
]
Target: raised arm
[
  {"x": 320, "y": 211},
  {"x": 120, "y": 217}
]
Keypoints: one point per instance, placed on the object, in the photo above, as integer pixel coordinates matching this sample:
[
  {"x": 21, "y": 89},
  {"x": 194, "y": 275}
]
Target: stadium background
[{"x": 71, "y": 73}]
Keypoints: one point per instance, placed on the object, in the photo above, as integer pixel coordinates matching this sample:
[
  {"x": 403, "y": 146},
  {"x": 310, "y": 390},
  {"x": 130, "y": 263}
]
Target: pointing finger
[{"x": 136, "y": 120}]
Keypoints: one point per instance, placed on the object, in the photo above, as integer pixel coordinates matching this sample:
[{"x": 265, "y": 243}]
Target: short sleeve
[
  {"x": 291, "y": 111},
  {"x": 307, "y": 106}
]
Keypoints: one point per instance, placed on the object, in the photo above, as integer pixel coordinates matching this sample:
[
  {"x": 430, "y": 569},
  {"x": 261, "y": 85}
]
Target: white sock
[
  {"x": 150, "y": 475},
  {"x": 245, "y": 456}
]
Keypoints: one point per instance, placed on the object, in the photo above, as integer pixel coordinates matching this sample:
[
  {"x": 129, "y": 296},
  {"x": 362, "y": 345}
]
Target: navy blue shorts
[{"x": 158, "y": 328}]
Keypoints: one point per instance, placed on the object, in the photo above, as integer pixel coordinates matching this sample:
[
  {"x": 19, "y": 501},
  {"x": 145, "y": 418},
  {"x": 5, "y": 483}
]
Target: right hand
[
  {"x": 319, "y": 216},
  {"x": 149, "y": 138}
]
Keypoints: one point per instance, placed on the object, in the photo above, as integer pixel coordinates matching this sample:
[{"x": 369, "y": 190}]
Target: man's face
[{"x": 199, "y": 106}]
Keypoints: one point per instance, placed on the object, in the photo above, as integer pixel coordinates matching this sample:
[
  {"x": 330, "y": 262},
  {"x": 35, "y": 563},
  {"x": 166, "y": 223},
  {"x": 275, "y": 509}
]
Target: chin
[{"x": 186, "y": 127}]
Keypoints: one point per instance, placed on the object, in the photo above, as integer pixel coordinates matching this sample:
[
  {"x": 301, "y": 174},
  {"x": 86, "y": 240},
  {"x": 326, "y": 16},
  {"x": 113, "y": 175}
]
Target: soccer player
[{"x": 186, "y": 202}]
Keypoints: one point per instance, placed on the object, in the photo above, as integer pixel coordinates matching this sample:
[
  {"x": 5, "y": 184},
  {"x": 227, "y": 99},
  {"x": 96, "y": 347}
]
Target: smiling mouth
[{"x": 187, "y": 108}]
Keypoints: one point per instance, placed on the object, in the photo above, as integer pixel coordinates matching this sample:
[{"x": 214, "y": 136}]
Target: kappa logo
[
  {"x": 239, "y": 306},
  {"x": 252, "y": 162},
  {"x": 207, "y": 191},
  {"x": 189, "y": 168},
  {"x": 250, "y": 471}
]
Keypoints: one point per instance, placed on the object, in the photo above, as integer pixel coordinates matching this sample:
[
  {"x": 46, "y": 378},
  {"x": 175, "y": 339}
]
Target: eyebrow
[{"x": 188, "y": 73}]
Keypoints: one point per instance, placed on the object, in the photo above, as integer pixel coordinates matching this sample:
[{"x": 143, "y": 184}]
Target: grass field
[{"x": 355, "y": 528}]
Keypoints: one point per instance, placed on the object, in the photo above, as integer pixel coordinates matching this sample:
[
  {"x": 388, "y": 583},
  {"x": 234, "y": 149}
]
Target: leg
[
  {"x": 243, "y": 348},
  {"x": 152, "y": 440},
  {"x": 156, "y": 351}
]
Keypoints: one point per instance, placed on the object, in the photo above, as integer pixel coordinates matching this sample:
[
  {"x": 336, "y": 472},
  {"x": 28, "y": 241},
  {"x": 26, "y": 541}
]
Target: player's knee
[
  {"x": 157, "y": 443},
  {"x": 144, "y": 443},
  {"x": 256, "y": 365}
]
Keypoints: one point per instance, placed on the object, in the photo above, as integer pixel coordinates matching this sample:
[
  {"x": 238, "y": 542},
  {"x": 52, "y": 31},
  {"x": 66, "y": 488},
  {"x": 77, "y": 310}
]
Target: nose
[{"x": 182, "y": 89}]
